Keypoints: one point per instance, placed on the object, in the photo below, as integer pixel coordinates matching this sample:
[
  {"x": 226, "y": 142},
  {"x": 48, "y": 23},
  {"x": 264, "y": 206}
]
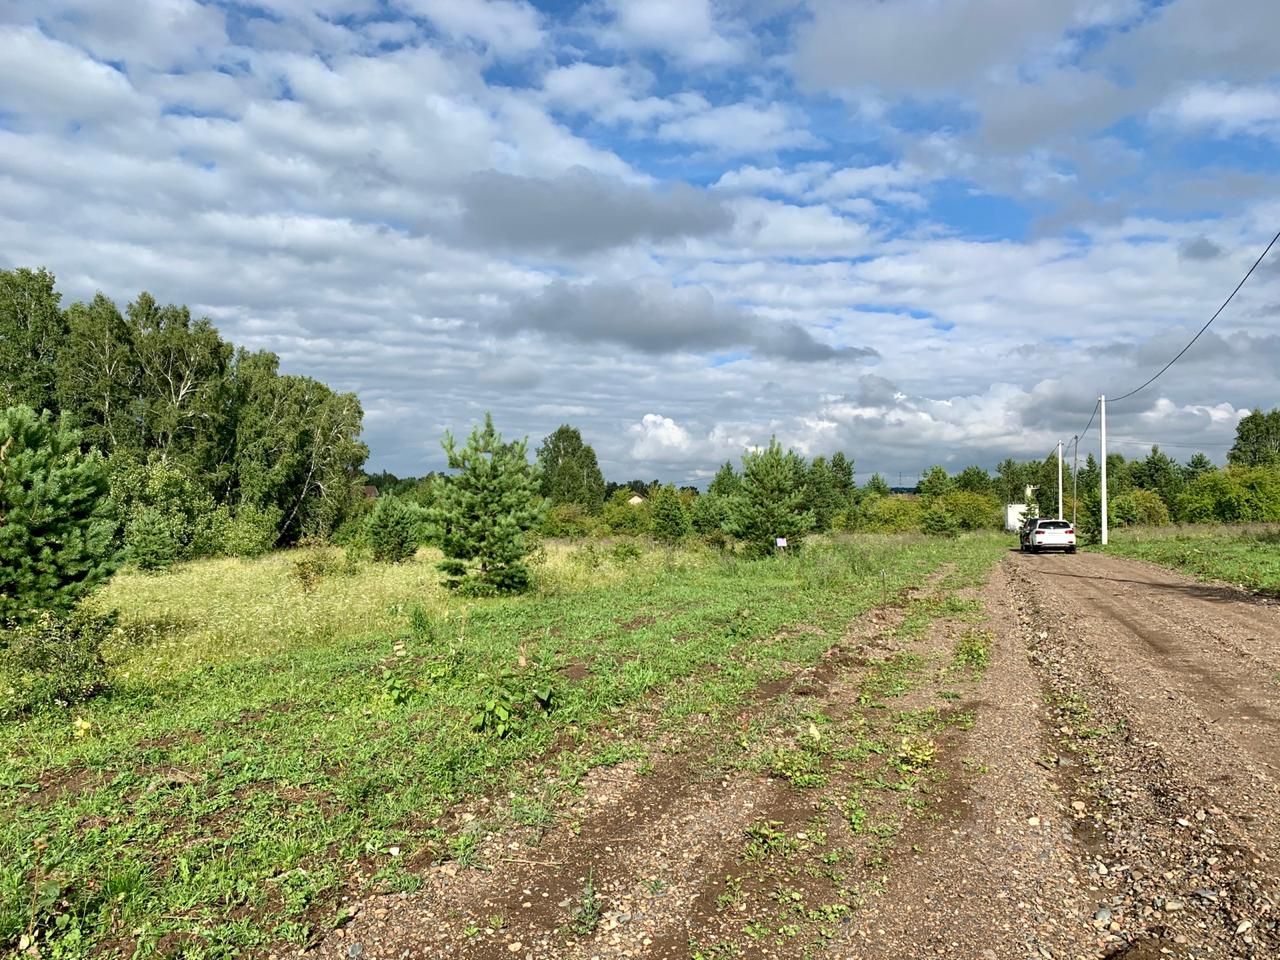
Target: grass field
[
  {"x": 270, "y": 741},
  {"x": 1246, "y": 556}
]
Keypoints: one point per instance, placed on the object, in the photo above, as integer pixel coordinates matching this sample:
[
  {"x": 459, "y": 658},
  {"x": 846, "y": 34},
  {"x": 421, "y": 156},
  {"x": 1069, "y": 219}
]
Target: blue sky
[{"x": 919, "y": 231}]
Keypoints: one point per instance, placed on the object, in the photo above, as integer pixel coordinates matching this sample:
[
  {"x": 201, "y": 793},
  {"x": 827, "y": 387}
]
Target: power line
[
  {"x": 1205, "y": 327},
  {"x": 1080, "y": 435},
  {"x": 1216, "y": 444}
]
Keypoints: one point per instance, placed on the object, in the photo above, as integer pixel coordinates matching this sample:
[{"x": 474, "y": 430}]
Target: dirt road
[{"x": 1080, "y": 760}]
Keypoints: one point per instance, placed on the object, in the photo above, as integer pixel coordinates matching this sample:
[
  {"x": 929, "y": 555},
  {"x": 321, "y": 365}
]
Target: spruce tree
[
  {"x": 770, "y": 502},
  {"x": 57, "y": 522},
  {"x": 485, "y": 512}
]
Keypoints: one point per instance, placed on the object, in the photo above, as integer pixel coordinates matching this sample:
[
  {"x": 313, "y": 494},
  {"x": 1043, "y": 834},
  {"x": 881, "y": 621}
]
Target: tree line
[{"x": 210, "y": 448}]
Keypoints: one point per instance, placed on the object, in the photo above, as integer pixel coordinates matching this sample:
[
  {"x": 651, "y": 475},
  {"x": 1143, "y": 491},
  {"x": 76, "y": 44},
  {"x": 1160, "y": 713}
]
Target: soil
[{"x": 1105, "y": 788}]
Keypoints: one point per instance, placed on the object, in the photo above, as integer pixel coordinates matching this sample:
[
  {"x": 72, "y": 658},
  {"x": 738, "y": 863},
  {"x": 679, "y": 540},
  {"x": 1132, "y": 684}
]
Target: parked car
[{"x": 1040, "y": 534}]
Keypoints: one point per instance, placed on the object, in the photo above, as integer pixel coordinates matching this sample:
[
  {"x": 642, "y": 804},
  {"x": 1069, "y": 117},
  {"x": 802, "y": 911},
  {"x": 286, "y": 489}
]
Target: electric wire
[{"x": 1180, "y": 353}]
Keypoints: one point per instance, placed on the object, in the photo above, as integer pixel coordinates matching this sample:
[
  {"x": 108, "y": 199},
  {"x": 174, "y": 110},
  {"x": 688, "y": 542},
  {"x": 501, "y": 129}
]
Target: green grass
[
  {"x": 1248, "y": 557},
  {"x": 266, "y": 747}
]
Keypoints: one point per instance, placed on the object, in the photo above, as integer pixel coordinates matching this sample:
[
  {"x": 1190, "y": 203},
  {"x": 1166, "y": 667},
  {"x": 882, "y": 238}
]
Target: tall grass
[
  {"x": 1247, "y": 556},
  {"x": 271, "y": 740}
]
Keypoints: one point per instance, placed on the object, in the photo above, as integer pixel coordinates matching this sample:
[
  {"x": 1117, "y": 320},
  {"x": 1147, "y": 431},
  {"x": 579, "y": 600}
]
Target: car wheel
[{"x": 1071, "y": 549}]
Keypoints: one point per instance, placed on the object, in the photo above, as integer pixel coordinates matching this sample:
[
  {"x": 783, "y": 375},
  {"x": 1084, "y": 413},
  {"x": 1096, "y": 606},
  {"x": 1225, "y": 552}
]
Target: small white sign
[{"x": 782, "y": 541}]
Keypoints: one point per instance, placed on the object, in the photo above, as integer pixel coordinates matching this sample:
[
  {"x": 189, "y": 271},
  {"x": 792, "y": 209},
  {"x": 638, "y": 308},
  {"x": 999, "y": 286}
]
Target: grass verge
[
  {"x": 269, "y": 743},
  {"x": 1246, "y": 556}
]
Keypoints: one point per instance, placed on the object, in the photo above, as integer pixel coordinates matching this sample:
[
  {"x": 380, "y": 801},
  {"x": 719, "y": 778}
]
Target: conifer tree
[
  {"x": 57, "y": 523},
  {"x": 485, "y": 512},
  {"x": 770, "y": 502}
]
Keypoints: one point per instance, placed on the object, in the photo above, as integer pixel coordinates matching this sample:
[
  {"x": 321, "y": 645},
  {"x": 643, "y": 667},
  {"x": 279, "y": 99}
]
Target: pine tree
[
  {"x": 877, "y": 486},
  {"x": 770, "y": 502},
  {"x": 726, "y": 482},
  {"x": 485, "y": 511},
  {"x": 57, "y": 523},
  {"x": 670, "y": 520}
]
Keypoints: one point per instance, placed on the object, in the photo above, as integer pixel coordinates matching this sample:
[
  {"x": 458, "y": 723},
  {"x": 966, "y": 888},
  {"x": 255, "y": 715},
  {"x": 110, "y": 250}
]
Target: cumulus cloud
[
  {"x": 507, "y": 27},
  {"x": 684, "y": 29},
  {"x": 654, "y": 318},
  {"x": 581, "y": 211},
  {"x": 1226, "y": 111}
]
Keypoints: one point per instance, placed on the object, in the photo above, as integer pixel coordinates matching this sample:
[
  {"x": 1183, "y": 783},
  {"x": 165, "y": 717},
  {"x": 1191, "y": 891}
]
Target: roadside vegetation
[
  {"x": 266, "y": 743},
  {"x": 1246, "y": 556}
]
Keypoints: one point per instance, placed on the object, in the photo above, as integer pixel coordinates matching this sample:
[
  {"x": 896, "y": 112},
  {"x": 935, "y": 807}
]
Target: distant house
[
  {"x": 370, "y": 492},
  {"x": 635, "y": 500}
]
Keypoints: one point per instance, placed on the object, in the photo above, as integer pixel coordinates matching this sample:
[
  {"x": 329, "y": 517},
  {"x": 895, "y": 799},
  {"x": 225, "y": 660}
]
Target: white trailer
[{"x": 1014, "y": 514}]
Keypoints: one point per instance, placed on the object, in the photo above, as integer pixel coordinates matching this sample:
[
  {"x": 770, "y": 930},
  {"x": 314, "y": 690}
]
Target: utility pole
[
  {"x": 1102, "y": 403},
  {"x": 1075, "y": 477},
  {"x": 1059, "y": 479}
]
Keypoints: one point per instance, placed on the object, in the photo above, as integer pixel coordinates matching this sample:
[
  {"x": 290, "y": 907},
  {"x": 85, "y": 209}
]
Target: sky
[{"x": 918, "y": 231}]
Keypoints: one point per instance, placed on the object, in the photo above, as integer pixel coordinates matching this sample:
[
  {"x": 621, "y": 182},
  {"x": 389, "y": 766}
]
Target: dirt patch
[{"x": 637, "y": 623}]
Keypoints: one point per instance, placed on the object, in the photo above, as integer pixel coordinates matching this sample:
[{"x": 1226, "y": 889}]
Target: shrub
[
  {"x": 624, "y": 553},
  {"x": 1139, "y": 507},
  {"x": 155, "y": 540},
  {"x": 569, "y": 521},
  {"x": 394, "y": 530},
  {"x": 670, "y": 521},
  {"x": 168, "y": 517},
  {"x": 972, "y": 511},
  {"x": 57, "y": 523},
  {"x": 55, "y": 660},
  {"x": 622, "y": 516},
  {"x": 939, "y": 522},
  {"x": 252, "y": 532},
  {"x": 892, "y": 514}
]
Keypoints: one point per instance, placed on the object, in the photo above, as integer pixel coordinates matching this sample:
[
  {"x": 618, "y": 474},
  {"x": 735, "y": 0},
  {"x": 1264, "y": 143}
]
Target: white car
[{"x": 1049, "y": 535}]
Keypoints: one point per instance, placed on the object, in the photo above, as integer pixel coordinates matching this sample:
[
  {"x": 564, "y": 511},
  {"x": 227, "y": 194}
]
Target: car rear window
[{"x": 1054, "y": 525}]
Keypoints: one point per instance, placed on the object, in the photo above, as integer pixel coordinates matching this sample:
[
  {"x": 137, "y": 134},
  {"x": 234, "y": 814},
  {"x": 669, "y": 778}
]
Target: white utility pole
[
  {"x": 1075, "y": 477},
  {"x": 1102, "y": 403},
  {"x": 1059, "y": 479}
]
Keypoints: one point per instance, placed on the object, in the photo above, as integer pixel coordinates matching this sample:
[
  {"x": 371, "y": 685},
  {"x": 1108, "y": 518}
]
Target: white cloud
[
  {"x": 507, "y": 27},
  {"x": 683, "y": 29},
  {"x": 1225, "y": 111},
  {"x": 741, "y": 128},
  {"x": 46, "y": 82}
]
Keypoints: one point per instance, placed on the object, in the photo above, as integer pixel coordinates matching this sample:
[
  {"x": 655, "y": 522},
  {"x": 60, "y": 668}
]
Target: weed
[
  {"x": 586, "y": 913},
  {"x": 915, "y": 752},
  {"x": 973, "y": 651},
  {"x": 764, "y": 838}
]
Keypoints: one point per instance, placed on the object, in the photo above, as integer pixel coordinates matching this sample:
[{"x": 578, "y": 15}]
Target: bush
[
  {"x": 570, "y": 521},
  {"x": 394, "y": 530},
  {"x": 55, "y": 660},
  {"x": 972, "y": 511},
  {"x": 1139, "y": 508},
  {"x": 892, "y": 514},
  {"x": 670, "y": 521},
  {"x": 252, "y": 532},
  {"x": 939, "y": 522},
  {"x": 621, "y": 516},
  {"x": 168, "y": 517},
  {"x": 57, "y": 522}
]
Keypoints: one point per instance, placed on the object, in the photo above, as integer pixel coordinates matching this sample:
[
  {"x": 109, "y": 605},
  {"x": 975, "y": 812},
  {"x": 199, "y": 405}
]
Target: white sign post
[{"x": 782, "y": 543}]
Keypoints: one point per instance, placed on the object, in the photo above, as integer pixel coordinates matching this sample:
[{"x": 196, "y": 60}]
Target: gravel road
[{"x": 1109, "y": 787}]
